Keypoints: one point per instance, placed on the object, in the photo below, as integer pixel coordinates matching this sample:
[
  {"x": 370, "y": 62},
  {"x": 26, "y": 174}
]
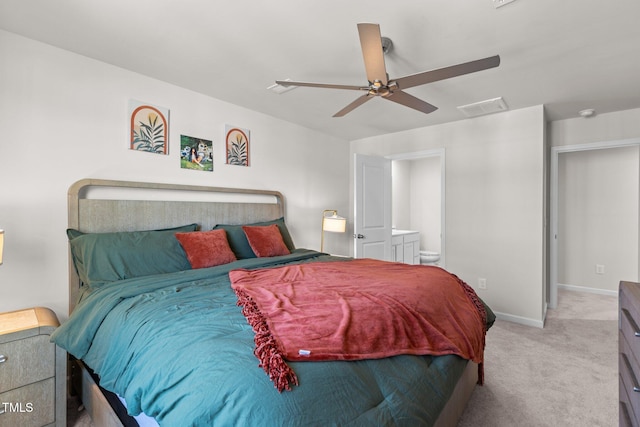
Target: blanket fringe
[
  {"x": 483, "y": 313},
  {"x": 267, "y": 352}
]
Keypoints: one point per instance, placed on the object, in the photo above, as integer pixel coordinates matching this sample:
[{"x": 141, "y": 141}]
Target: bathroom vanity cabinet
[{"x": 405, "y": 246}]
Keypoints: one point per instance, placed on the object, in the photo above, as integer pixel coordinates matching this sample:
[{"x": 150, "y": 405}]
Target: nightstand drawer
[
  {"x": 31, "y": 405},
  {"x": 26, "y": 361}
]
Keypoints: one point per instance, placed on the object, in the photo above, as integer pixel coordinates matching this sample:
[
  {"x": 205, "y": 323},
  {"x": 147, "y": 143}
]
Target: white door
[{"x": 372, "y": 216}]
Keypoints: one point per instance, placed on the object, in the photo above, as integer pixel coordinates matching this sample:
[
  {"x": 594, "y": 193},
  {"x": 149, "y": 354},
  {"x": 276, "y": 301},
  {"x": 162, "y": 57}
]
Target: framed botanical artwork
[
  {"x": 149, "y": 128},
  {"x": 237, "y": 143},
  {"x": 196, "y": 153}
]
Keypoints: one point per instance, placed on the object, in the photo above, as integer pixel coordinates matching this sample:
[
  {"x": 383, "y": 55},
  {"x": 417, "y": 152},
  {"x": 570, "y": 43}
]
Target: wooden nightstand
[{"x": 32, "y": 370}]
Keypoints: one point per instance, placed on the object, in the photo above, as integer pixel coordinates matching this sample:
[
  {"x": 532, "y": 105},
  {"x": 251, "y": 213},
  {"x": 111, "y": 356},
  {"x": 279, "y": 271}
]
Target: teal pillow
[
  {"x": 239, "y": 243},
  {"x": 106, "y": 257}
]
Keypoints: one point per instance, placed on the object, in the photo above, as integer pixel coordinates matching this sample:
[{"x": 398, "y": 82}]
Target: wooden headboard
[{"x": 99, "y": 206}]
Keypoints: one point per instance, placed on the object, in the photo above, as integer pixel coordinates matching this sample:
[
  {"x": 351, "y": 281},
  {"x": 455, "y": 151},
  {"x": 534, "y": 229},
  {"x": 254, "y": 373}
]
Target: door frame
[
  {"x": 553, "y": 203},
  {"x": 438, "y": 152}
]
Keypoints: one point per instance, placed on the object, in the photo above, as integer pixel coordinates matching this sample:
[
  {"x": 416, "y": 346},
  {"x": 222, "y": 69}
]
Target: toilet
[{"x": 429, "y": 258}]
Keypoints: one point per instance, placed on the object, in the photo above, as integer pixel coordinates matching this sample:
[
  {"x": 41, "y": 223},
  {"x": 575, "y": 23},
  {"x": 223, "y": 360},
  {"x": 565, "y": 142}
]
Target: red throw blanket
[{"x": 357, "y": 309}]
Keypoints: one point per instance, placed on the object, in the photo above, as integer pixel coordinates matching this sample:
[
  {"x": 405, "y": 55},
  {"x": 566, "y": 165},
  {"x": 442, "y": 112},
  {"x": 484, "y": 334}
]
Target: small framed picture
[
  {"x": 237, "y": 142},
  {"x": 149, "y": 128},
  {"x": 196, "y": 153}
]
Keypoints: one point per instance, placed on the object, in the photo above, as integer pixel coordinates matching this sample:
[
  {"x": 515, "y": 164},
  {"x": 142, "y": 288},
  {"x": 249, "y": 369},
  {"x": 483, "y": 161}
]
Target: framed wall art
[
  {"x": 196, "y": 153},
  {"x": 237, "y": 143},
  {"x": 149, "y": 128}
]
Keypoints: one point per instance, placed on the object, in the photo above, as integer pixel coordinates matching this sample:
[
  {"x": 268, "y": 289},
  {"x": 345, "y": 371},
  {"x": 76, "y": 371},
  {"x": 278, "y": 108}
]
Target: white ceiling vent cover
[{"x": 481, "y": 108}]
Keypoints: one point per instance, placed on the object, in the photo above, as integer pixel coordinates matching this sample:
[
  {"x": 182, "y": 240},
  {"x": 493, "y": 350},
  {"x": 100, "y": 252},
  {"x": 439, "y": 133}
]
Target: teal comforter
[{"x": 177, "y": 348}]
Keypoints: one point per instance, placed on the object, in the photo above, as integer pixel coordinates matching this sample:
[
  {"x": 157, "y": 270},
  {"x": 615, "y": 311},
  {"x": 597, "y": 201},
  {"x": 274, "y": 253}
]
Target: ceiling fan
[{"x": 392, "y": 89}]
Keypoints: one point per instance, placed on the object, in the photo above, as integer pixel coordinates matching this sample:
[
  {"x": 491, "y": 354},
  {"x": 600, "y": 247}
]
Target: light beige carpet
[{"x": 565, "y": 374}]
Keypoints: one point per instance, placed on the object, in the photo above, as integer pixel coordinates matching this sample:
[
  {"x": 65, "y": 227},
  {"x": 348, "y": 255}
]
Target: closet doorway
[
  {"x": 594, "y": 205},
  {"x": 418, "y": 198}
]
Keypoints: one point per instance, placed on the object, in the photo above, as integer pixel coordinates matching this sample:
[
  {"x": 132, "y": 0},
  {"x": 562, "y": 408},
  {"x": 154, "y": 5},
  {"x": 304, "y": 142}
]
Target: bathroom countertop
[{"x": 395, "y": 232}]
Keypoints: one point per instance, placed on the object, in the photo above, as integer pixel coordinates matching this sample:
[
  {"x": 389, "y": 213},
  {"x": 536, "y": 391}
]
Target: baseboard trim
[
  {"x": 575, "y": 288},
  {"x": 540, "y": 323},
  {"x": 520, "y": 320}
]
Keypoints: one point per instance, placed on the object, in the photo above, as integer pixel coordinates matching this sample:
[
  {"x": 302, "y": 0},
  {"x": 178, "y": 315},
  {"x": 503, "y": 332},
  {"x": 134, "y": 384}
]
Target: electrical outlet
[
  {"x": 482, "y": 283},
  {"x": 599, "y": 269}
]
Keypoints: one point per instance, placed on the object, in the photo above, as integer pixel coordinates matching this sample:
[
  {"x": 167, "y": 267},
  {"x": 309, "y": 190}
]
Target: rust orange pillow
[
  {"x": 266, "y": 240},
  {"x": 206, "y": 248}
]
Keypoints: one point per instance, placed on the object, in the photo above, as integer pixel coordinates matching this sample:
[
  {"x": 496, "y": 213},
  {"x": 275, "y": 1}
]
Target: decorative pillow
[
  {"x": 266, "y": 240},
  {"x": 239, "y": 243},
  {"x": 106, "y": 257},
  {"x": 206, "y": 248}
]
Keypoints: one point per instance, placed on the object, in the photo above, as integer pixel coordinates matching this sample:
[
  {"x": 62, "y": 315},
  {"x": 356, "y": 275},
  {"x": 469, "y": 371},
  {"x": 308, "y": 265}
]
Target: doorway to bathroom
[{"x": 418, "y": 200}]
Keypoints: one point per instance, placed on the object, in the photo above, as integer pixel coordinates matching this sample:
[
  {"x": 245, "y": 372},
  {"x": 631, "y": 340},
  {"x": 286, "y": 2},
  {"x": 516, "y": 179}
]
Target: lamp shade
[
  {"x": 334, "y": 224},
  {"x": 1, "y": 244}
]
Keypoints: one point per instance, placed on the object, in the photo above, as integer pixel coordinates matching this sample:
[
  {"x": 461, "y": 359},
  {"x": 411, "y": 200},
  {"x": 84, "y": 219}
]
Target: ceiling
[{"x": 566, "y": 54}]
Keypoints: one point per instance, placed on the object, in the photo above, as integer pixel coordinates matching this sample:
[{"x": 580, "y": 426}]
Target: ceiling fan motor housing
[{"x": 377, "y": 88}]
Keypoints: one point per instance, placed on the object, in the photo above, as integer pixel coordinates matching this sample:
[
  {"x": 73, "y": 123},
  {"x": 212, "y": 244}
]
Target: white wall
[
  {"x": 495, "y": 191},
  {"x": 400, "y": 194},
  {"x": 63, "y": 117},
  {"x": 426, "y": 196},
  {"x": 416, "y": 199}
]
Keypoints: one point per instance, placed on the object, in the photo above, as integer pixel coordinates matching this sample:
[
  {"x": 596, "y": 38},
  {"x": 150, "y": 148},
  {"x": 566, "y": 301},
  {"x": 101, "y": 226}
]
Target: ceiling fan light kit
[{"x": 374, "y": 47}]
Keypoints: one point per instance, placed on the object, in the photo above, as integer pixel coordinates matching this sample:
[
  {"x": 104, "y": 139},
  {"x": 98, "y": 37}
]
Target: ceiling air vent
[{"x": 481, "y": 108}]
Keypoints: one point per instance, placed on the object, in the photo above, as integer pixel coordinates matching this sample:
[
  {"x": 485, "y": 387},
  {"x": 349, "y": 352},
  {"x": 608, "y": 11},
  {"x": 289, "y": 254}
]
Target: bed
[{"x": 174, "y": 335}]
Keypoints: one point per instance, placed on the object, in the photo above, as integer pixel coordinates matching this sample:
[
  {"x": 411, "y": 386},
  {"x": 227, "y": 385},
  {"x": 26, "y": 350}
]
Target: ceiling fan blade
[
  {"x": 371, "y": 43},
  {"x": 447, "y": 72},
  {"x": 287, "y": 83},
  {"x": 358, "y": 102},
  {"x": 411, "y": 101}
]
